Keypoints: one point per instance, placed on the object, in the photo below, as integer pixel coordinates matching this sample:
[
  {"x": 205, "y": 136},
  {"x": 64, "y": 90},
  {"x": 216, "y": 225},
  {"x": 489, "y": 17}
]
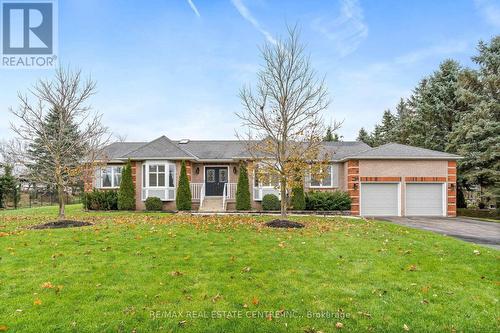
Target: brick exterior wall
[
  {"x": 353, "y": 185},
  {"x": 452, "y": 188}
]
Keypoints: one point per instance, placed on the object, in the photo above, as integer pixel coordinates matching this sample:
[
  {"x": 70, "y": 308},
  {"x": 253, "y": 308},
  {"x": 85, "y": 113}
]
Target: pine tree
[
  {"x": 476, "y": 136},
  {"x": 437, "y": 107},
  {"x": 9, "y": 187},
  {"x": 401, "y": 131},
  {"x": 183, "y": 199},
  {"x": 383, "y": 133},
  {"x": 329, "y": 135},
  {"x": 363, "y": 136},
  {"x": 243, "y": 190},
  {"x": 126, "y": 194}
]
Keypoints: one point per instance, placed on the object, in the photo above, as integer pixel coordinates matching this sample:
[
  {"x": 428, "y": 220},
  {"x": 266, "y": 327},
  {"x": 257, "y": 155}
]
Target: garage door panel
[
  {"x": 424, "y": 199},
  {"x": 379, "y": 199}
]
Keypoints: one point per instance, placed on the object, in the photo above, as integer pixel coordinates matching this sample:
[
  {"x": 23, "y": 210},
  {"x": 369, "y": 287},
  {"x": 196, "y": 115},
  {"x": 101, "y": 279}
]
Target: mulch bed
[
  {"x": 62, "y": 224},
  {"x": 284, "y": 224}
]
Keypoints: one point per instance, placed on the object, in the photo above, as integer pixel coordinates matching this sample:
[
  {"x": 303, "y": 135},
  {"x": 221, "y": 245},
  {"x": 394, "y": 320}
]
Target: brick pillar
[
  {"x": 189, "y": 166},
  {"x": 134, "y": 172},
  {"x": 452, "y": 188},
  {"x": 353, "y": 185}
]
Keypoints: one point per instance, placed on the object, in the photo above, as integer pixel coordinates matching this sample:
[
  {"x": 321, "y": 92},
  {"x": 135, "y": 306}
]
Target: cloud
[
  {"x": 442, "y": 50},
  {"x": 490, "y": 9},
  {"x": 193, "y": 7},
  {"x": 247, "y": 15},
  {"x": 347, "y": 30}
]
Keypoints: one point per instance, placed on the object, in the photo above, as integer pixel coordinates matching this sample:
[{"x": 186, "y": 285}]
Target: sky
[{"x": 175, "y": 67}]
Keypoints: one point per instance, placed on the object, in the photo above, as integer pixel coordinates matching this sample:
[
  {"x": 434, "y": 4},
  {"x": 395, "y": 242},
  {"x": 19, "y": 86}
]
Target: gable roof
[
  {"x": 215, "y": 149},
  {"x": 118, "y": 149},
  {"x": 399, "y": 151},
  {"x": 161, "y": 148}
]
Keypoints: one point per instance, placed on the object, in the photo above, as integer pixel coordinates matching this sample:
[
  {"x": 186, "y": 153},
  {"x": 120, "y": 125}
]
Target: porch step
[{"x": 211, "y": 204}]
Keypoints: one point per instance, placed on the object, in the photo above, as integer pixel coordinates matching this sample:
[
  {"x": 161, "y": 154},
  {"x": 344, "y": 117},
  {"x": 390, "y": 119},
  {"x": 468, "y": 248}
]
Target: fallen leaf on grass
[
  {"x": 176, "y": 273},
  {"x": 47, "y": 285},
  {"x": 406, "y": 328},
  {"x": 477, "y": 252},
  {"x": 246, "y": 269},
  {"x": 37, "y": 302},
  {"x": 3, "y": 234},
  {"x": 3, "y": 328},
  {"x": 216, "y": 298},
  {"x": 339, "y": 325},
  {"x": 255, "y": 301},
  {"x": 412, "y": 268}
]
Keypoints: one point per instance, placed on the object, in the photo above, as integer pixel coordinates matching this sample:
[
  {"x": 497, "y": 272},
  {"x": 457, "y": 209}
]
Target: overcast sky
[{"x": 174, "y": 67}]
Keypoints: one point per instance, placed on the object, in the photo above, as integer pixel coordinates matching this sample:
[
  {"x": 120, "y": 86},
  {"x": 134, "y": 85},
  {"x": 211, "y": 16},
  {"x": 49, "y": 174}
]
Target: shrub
[
  {"x": 100, "y": 200},
  {"x": 271, "y": 202},
  {"x": 298, "y": 200},
  {"x": 243, "y": 190},
  {"x": 126, "y": 194},
  {"x": 327, "y": 201},
  {"x": 183, "y": 199},
  {"x": 153, "y": 203}
]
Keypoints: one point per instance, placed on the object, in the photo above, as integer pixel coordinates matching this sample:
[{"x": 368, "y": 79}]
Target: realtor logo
[{"x": 29, "y": 33}]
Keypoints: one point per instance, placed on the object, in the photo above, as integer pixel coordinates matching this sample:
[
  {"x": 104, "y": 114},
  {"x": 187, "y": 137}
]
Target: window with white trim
[
  {"x": 265, "y": 179},
  {"x": 328, "y": 177},
  {"x": 109, "y": 176},
  {"x": 158, "y": 175}
]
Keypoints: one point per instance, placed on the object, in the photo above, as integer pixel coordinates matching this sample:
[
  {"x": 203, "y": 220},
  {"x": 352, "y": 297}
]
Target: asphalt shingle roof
[
  {"x": 164, "y": 148},
  {"x": 398, "y": 151}
]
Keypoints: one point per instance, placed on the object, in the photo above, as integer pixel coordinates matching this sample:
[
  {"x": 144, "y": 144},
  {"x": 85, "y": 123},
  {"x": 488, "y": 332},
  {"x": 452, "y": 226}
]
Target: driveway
[{"x": 470, "y": 230}]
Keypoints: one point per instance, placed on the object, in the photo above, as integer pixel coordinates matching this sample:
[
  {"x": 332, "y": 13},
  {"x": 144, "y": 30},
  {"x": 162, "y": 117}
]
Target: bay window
[{"x": 158, "y": 180}]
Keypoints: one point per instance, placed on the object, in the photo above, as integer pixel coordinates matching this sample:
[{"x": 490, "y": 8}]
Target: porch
[{"x": 213, "y": 202}]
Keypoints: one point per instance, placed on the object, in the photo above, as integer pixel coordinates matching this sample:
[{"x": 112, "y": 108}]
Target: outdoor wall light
[
  {"x": 197, "y": 170},
  {"x": 235, "y": 170},
  {"x": 355, "y": 186}
]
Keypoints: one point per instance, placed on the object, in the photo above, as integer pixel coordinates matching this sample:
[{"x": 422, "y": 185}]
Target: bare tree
[
  {"x": 58, "y": 136},
  {"x": 283, "y": 115}
]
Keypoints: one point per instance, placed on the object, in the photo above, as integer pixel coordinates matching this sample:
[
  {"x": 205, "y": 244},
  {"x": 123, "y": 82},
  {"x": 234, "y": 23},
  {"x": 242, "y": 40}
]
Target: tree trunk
[
  {"x": 60, "y": 194},
  {"x": 283, "y": 198}
]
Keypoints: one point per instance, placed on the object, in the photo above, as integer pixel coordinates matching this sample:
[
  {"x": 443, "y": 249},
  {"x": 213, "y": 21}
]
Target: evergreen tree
[
  {"x": 183, "y": 199},
  {"x": 331, "y": 135},
  {"x": 9, "y": 187},
  {"x": 363, "y": 136},
  {"x": 298, "y": 200},
  {"x": 437, "y": 107},
  {"x": 476, "y": 136},
  {"x": 402, "y": 128},
  {"x": 126, "y": 194},
  {"x": 383, "y": 133},
  {"x": 243, "y": 190}
]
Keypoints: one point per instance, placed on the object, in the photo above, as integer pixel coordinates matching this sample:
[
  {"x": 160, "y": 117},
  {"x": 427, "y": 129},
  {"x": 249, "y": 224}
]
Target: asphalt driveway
[{"x": 470, "y": 230}]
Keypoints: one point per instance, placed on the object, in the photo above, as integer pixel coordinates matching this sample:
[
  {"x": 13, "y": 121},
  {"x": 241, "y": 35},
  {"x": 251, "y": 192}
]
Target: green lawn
[{"x": 160, "y": 272}]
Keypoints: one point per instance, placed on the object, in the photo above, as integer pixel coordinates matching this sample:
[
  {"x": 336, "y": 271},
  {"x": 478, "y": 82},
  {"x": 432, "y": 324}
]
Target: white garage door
[
  {"x": 424, "y": 199},
  {"x": 379, "y": 199}
]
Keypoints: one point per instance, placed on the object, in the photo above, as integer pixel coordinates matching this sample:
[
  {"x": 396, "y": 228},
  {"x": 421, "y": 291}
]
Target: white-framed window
[
  {"x": 158, "y": 175},
  {"x": 109, "y": 176},
  {"x": 265, "y": 179},
  {"x": 328, "y": 177}
]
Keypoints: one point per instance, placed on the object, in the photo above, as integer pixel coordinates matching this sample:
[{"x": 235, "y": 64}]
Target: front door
[{"x": 215, "y": 178}]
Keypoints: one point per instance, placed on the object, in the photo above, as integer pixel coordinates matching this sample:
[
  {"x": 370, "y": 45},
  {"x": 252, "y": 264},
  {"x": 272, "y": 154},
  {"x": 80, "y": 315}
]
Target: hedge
[
  {"x": 298, "y": 200},
  {"x": 100, "y": 200},
  {"x": 328, "y": 201}
]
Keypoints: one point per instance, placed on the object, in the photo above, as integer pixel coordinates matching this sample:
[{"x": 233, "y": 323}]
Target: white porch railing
[
  {"x": 202, "y": 195},
  {"x": 228, "y": 194},
  {"x": 164, "y": 193},
  {"x": 196, "y": 191},
  {"x": 260, "y": 192}
]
